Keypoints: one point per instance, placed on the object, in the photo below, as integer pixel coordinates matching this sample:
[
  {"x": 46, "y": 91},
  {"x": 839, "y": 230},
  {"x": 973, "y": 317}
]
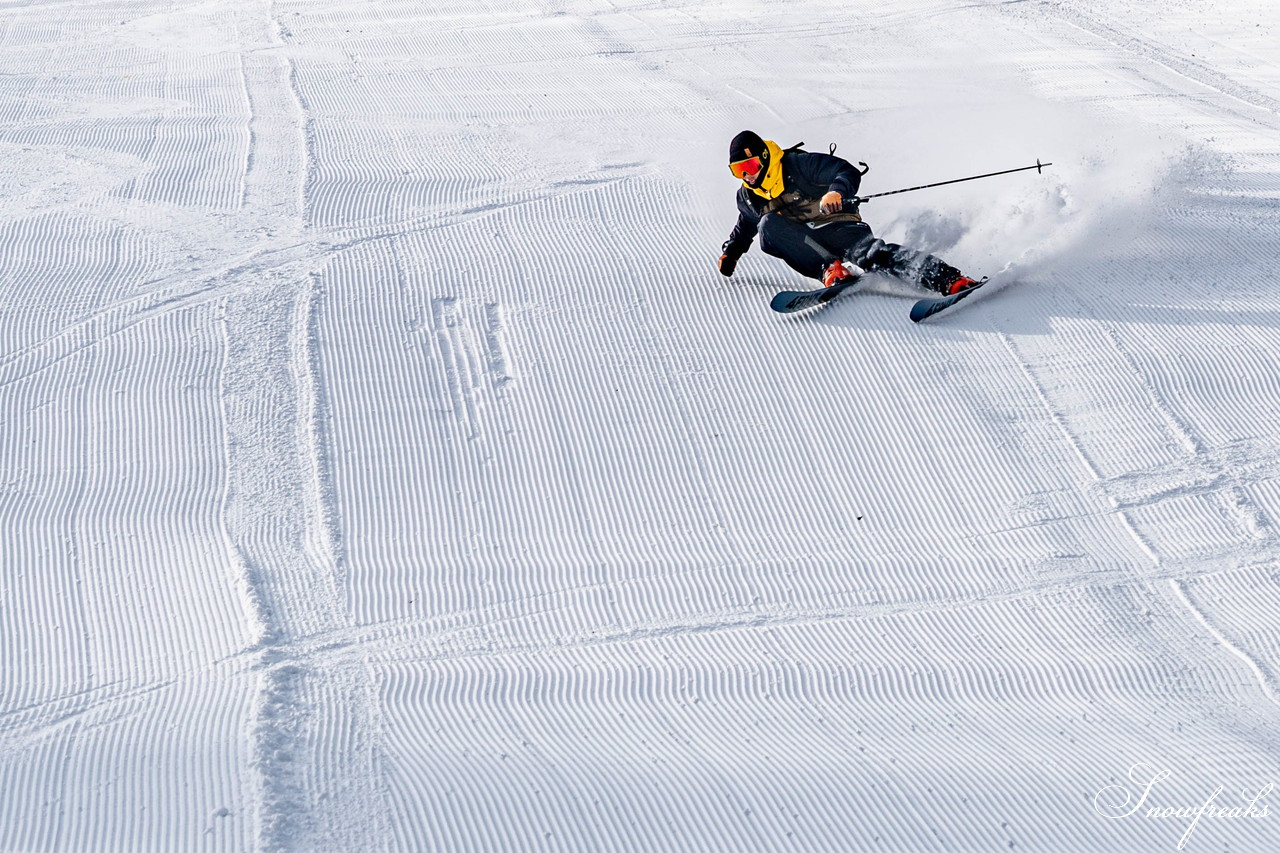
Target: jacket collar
[{"x": 771, "y": 187}]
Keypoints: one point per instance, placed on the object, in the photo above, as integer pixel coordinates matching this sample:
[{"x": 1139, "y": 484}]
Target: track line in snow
[
  {"x": 470, "y": 342},
  {"x": 1197, "y": 72},
  {"x": 279, "y": 520},
  {"x": 1266, "y": 682},
  {"x": 277, "y": 159},
  {"x": 182, "y": 290},
  {"x": 1056, "y": 416}
]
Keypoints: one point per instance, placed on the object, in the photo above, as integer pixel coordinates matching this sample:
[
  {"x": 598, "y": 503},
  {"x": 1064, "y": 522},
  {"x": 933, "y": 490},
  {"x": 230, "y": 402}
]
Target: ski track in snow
[{"x": 388, "y": 468}]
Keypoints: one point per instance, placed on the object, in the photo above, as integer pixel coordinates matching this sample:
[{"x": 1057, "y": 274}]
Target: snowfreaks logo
[{"x": 1117, "y": 801}]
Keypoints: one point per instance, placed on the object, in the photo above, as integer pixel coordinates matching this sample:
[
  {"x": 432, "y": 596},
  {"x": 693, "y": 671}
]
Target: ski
[
  {"x": 928, "y": 307},
  {"x": 789, "y": 301}
]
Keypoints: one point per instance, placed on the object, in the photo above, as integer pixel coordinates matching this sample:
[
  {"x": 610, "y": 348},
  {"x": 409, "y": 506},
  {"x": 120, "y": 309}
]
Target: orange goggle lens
[{"x": 746, "y": 170}]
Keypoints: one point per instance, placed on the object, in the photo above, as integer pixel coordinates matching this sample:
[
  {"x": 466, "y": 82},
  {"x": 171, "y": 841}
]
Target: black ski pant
[{"x": 808, "y": 251}]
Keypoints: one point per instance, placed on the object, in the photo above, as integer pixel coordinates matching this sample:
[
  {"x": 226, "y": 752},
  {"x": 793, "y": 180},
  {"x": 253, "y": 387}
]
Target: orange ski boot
[{"x": 834, "y": 273}]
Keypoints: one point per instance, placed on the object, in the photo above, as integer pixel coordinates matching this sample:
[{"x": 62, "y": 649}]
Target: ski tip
[
  {"x": 926, "y": 308},
  {"x": 785, "y": 302},
  {"x": 921, "y": 310}
]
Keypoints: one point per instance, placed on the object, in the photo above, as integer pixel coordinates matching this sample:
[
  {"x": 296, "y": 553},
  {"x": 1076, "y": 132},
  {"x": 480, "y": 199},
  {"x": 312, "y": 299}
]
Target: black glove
[{"x": 727, "y": 263}]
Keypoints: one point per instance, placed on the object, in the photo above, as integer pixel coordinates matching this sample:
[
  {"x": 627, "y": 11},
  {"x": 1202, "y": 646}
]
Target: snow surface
[{"x": 385, "y": 464}]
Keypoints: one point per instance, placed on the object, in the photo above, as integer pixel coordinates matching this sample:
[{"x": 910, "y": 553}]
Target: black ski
[
  {"x": 928, "y": 307},
  {"x": 789, "y": 301}
]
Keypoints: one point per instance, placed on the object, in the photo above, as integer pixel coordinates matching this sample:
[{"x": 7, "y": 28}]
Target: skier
[{"x": 804, "y": 206}]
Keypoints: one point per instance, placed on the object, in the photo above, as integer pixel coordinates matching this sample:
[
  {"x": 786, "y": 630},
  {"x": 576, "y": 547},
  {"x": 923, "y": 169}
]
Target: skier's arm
[
  {"x": 744, "y": 231},
  {"x": 841, "y": 178}
]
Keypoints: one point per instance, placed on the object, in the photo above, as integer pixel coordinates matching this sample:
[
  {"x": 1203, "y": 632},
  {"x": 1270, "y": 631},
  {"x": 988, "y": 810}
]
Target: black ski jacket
[{"x": 808, "y": 173}]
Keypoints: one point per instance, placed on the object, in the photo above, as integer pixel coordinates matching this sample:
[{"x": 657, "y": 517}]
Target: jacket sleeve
[
  {"x": 744, "y": 231},
  {"x": 835, "y": 173}
]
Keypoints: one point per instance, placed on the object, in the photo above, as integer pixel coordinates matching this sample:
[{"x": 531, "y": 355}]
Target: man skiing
[{"x": 804, "y": 207}]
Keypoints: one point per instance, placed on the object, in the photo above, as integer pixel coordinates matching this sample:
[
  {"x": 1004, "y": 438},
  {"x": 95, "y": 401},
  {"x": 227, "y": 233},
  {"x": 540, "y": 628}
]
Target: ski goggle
[{"x": 746, "y": 170}]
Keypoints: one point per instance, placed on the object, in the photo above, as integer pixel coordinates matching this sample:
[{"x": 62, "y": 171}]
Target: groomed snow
[{"x": 385, "y": 465}]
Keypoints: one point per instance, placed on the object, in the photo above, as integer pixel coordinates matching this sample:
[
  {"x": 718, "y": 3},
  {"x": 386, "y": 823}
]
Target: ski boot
[
  {"x": 962, "y": 283},
  {"x": 835, "y": 273}
]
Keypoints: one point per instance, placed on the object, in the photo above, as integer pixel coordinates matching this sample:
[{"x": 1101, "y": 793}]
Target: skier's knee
[
  {"x": 774, "y": 231},
  {"x": 781, "y": 236},
  {"x": 872, "y": 254}
]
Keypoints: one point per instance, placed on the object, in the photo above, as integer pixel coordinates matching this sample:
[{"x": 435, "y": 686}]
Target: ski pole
[{"x": 1038, "y": 166}]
